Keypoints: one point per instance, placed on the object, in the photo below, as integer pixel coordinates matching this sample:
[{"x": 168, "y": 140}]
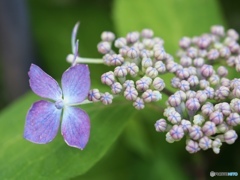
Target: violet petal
[
  {"x": 43, "y": 85},
  {"x": 76, "y": 83},
  {"x": 75, "y": 127},
  {"x": 42, "y": 122}
]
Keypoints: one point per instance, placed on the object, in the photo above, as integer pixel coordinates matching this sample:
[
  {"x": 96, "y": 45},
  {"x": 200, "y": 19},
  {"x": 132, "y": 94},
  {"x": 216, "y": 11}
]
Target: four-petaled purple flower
[{"x": 43, "y": 118}]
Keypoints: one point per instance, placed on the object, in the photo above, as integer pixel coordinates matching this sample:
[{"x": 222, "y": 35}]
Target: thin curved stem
[
  {"x": 70, "y": 59},
  {"x": 167, "y": 92}
]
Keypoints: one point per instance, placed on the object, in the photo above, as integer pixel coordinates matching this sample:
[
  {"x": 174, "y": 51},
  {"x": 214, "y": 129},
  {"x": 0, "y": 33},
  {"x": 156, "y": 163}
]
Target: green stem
[
  {"x": 70, "y": 59},
  {"x": 167, "y": 92},
  {"x": 86, "y": 101}
]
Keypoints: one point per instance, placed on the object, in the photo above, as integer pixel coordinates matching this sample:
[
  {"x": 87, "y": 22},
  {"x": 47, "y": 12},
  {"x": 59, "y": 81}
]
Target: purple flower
[{"x": 43, "y": 118}]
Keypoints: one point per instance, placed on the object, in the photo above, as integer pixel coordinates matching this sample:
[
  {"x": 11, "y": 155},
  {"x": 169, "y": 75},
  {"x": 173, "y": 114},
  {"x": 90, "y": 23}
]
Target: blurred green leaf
[
  {"x": 21, "y": 159},
  {"x": 170, "y": 19}
]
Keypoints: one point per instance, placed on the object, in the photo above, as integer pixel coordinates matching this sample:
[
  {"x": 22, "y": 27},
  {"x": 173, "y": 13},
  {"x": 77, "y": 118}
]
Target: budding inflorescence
[
  {"x": 138, "y": 61},
  {"x": 206, "y": 106}
]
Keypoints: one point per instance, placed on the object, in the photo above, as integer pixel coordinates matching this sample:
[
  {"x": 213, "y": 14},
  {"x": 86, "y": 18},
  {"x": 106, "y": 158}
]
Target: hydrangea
[{"x": 43, "y": 118}]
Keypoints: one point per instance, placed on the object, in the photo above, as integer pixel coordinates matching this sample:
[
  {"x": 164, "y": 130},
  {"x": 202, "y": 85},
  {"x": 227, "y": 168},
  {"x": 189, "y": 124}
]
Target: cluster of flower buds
[
  {"x": 206, "y": 106},
  {"x": 138, "y": 60}
]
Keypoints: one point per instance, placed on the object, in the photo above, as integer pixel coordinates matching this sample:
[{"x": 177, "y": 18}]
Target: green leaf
[
  {"x": 21, "y": 159},
  {"x": 169, "y": 19}
]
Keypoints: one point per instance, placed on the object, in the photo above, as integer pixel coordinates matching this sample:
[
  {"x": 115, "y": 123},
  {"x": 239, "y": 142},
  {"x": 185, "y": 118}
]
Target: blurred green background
[{"x": 139, "y": 152}]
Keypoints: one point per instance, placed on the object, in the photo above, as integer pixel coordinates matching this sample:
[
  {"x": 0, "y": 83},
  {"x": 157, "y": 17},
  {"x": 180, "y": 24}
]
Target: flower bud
[
  {"x": 139, "y": 104},
  {"x": 151, "y": 72},
  {"x": 209, "y": 128},
  {"x": 217, "y": 30},
  {"x": 206, "y": 70},
  {"x": 214, "y": 79},
  {"x": 192, "y": 104},
  {"x": 120, "y": 71},
  {"x": 160, "y": 54},
  {"x": 168, "y": 110},
  {"x": 184, "y": 85},
  {"x": 181, "y": 94},
  {"x": 160, "y": 125},
  {"x": 205, "y": 143},
  {"x": 175, "y": 82},
  {"x": 192, "y": 52},
  {"x": 201, "y": 96},
  {"x": 193, "y": 80},
  {"x": 128, "y": 84},
  {"x": 186, "y": 61},
  {"x": 198, "y": 62},
  {"x": 147, "y": 33},
  {"x": 147, "y": 62},
  {"x": 230, "y": 136},
  {"x": 116, "y": 88},
  {"x": 190, "y": 94},
  {"x": 142, "y": 85},
  {"x": 174, "y": 100},
  {"x": 185, "y": 42},
  {"x": 233, "y": 119},
  {"x": 106, "y": 98},
  {"x": 108, "y": 78},
  {"x": 198, "y": 119},
  {"x": 224, "y": 108},
  {"x": 224, "y": 52},
  {"x": 158, "y": 84},
  {"x": 133, "y": 53},
  {"x": 174, "y": 117},
  {"x": 216, "y": 117},
  {"x": 123, "y": 51},
  {"x": 94, "y": 95},
  {"x": 213, "y": 54},
  {"x": 176, "y": 132},
  {"x": 225, "y": 82},
  {"x": 132, "y": 69},
  {"x": 222, "y": 128},
  {"x": 148, "y": 96},
  {"x": 131, "y": 94},
  {"x": 103, "y": 47},
  {"x": 107, "y": 36},
  {"x": 160, "y": 66},
  {"x": 186, "y": 124},
  {"x": 116, "y": 59},
  {"x": 210, "y": 92},
  {"x": 132, "y": 37},
  {"x": 169, "y": 138},
  {"x": 233, "y": 34},
  {"x": 195, "y": 132},
  {"x": 203, "y": 42},
  {"x": 120, "y": 42},
  {"x": 182, "y": 73},
  {"x": 203, "y": 84},
  {"x": 192, "y": 146},
  {"x": 207, "y": 109}
]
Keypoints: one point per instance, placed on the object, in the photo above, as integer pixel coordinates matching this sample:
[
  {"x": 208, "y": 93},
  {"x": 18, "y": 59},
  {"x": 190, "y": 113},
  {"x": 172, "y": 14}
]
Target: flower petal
[
  {"x": 42, "y": 122},
  {"x": 76, "y": 83},
  {"x": 75, "y": 127},
  {"x": 44, "y": 85}
]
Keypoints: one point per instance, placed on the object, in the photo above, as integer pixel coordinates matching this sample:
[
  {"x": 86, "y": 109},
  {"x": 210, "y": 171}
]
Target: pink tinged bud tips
[
  {"x": 160, "y": 125},
  {"x": 192, "y": 146},
  {"x": 230, "y": 136},
  {"x": 177, "y": 132}
]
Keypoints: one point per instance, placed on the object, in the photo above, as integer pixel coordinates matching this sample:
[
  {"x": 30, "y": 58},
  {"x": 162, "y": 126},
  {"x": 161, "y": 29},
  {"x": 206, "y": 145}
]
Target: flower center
[{"x": 59, "y": 104}]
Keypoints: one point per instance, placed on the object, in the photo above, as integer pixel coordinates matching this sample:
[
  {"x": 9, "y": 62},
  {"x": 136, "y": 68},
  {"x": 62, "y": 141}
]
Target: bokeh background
[{"x": 38, "y": 31}]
